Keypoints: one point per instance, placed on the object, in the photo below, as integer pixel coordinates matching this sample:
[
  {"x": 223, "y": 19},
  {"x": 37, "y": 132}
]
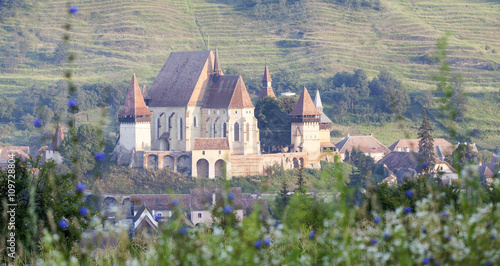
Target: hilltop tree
[{"x": 426, "y": 144}]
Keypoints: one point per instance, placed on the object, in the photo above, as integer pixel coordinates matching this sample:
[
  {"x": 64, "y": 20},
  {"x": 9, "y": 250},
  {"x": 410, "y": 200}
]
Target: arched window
[
  {"x": 158, "y": 125},
  {"x": 236, "y": 131},
  {"x": 223, "y": 129},
  {"x": 180, "y": 128},
  {"x": 194, "y": 122},
  {"x": 248, "y": 131},
  {"x": 212, "y": 130}
]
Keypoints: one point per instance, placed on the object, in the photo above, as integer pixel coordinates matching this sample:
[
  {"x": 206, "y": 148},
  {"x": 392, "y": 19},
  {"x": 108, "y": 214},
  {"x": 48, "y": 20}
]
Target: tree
[
  {"x": 458, "y": 102},
  {"x": 281, "y": 200},
  {"x": 464, "y": 154},
  {"x": 273, "y": 122},
  {"x": 484, "y": 156},
  {"x": 41, "y": 195},
  {"x": 426, "y": 144},
  {"x": 394, "y": 96},
  {"x": 90, "y": 141}
]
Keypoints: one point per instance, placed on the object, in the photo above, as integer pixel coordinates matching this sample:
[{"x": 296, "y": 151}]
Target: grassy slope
[{"x": 114, "y": 39}]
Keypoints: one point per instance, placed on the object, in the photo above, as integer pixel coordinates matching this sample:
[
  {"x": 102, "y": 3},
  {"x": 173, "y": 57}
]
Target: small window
[
  {"x": 195, "y": 122},
  {"x": 203, "y": 152},
  {"x": 220, "y": 152},
  {"x": 236, "y": 131},
  {"x": 199, "y": 215}
]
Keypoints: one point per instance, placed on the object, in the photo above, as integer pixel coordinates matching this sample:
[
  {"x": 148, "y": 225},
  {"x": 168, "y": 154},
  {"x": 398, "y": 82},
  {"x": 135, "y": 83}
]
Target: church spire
[
  {"x": 267, "y": 90},
  {"x": 217, "y": 69},
  {"x": 57, "y": 139},
  {"x": 317, "y": 102},
  {"x": 134, "y": 109}
]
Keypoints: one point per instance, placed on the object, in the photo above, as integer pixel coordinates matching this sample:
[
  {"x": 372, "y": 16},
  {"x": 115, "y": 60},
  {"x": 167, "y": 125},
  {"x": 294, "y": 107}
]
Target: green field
[{"x": 113, "y": 39}]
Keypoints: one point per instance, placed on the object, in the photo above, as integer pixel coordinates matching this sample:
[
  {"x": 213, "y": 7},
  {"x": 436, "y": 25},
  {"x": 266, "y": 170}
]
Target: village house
[{"x": 369, "y": 145}]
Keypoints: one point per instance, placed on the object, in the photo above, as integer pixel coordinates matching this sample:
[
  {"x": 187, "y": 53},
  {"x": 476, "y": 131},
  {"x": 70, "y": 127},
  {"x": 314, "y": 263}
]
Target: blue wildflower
[
  {"x": 489, "y": 224},
  {"x": 73, "y": 9},
  {"x": 387, "y": 235},
  {"x": 425, "y": 165},
  {"x": 376, "y": 220},
  {"x": 99, "y": 156},
  {"x": 157, "y": 216},
  {"x": 409, "y": 193},
  {"x": 72, "y": 103},
  {"x": 257, "y": 244},
  {"x": 83, "y": 211},
  {"x": 488, "y": 263},
  {"x": 407, "y": 210},
  {"x": 276, "y": 223},
  {"x": 37, "y": 122},
  {"x": 493, "y": 237},
  {"x": 80, "y": 187},
  {"x": 63, "y": 224},
  {"x": 230, "y": 196},
  {"x": 267, "y": 241},
  {"x": 445, "y": 214},
  {"x": 426, "y": 261},
  {"x": 424, "y": 229},
  {"x": 447, "y": 237},
  {"x": 436, "y": 264},
  {"x": 374, "y": 241},
  {"x": 183, "y": 231},
  {"x": 228, "y": 209},
  {"x": 175, "y": 202},
  {"x": 312, "y": 235}
]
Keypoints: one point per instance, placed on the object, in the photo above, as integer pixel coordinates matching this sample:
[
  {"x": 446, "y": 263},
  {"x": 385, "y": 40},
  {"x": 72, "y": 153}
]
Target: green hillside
[{"x": 311, "y": 38}]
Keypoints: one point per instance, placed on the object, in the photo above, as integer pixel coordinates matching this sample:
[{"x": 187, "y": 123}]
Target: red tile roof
[
  {"x": 367, "y": 144},
  {"x": 175, "y": 83},
  {"x": 134, "y": 103},
  {"x": 305, "y": 105},
  {"x": 412, "y": 144},
  {"x": 398, "y": 159},
  {"x": 266, "y": 92},
  {"x": 228, "y": 92},
  {"x": 211, "y": 144}
]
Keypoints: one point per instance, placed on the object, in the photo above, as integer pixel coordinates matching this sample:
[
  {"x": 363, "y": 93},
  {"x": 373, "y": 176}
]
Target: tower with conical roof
[
  {"x": 325, "y": 125},
  {"x": 267, "y": 89},
  {"x": 135, "y": 120},
  {"x": 52, "y": 151},
  {"x": 305, "y": 120}
]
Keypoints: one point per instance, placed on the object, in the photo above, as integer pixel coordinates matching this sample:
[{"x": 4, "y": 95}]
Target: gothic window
[
  {"x": 223, "y": 130},
  {"x": 248, "y": 131},
  {"x": 194, "y": 122},
  {"x": 212, "y": 130},
  {"x": 180, "y": 128},
  {"x": 236, "y": 131},
  {"x": 158, "y": 125}
]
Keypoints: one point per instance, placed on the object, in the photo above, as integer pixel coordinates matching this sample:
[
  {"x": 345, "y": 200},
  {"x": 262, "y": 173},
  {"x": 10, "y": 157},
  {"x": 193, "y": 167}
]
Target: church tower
[
  {"x": 135, "y": 120},
  {"x": 52, "y": 151},
  {"x": 325, "y": 125},
  {"x": 305, "y": 120},
  {"x": 267, "y": 89}
]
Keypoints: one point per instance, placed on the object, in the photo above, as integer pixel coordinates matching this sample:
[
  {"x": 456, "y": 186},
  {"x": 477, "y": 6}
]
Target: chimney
[
  {"x": 407, "y": 149},
  {"x": 399, "y": 148}
]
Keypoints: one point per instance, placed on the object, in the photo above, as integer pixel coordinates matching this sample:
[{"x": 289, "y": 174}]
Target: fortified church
[{"x": 198, "y": 121}]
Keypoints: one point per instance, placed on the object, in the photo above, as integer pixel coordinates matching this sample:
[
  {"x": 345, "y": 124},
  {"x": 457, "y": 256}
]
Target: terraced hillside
[
  {"x": 112, "y": 39},
  {"x": 115, "y": 38}
]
